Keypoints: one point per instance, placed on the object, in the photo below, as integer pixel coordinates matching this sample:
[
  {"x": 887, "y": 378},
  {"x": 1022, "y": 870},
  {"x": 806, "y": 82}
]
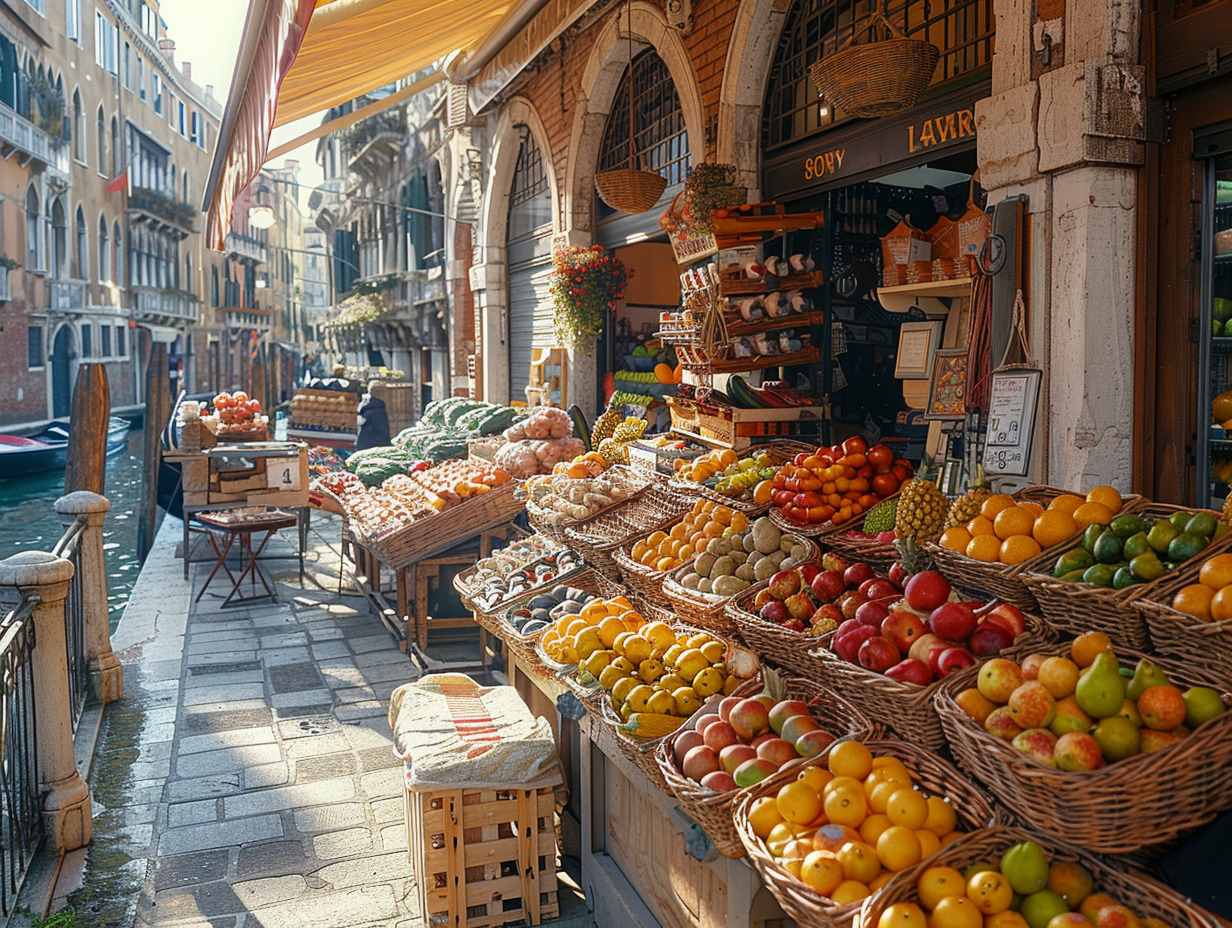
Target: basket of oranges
[
  {"x": 1190, "y": 616},
  {"x": 742, "y": 482},
  {"x": 990, "y": 551},
  {"x": 887, "y": 805}
]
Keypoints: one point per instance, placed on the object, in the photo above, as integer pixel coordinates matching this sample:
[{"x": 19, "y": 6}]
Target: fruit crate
[
  {"x": 1120, "y": 808},
  {"x": 1206, "y": 643},
  {"x": 1145, "y": 896},
  {"x": 1077, "y": 607},
  {"x": 727, "y": 427},
  {"x": 483, "y": 858}
]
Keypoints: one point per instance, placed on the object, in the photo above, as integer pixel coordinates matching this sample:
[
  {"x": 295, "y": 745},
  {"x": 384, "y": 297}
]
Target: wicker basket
[
  {"x": 710, "y": 611},
  {"x": 599, "y": 535},
  {"x": 467, "y": 589},
  {"x": 809, "y": 907},
  {"x": 1176, "y": 634},
  {"x": 1145, "y": 896},
  {"x": 538, "y": 515},
  {"x": 866, "y": 549},
  {"x": 907, "y": 708},
  {"x": 772, "y": 642},
  {"x": 779, "y": 452},
  {"x": 713, "y": 811},
  {"x": 1005, "y": 581},
  {"x": 1080, "y": 607},
  {"x": 525, "y": 646},
  {"x": 448, "y": 528},
  {"x": 630, "y": 190},
  {"x": 879, "y": 77},
  {"x": 1118, "y": 809}
]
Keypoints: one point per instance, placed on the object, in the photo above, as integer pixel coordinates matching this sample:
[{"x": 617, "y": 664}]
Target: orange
[
  {"x": 1011, "y": 521},
  {"x": 845, "y": 803},
  {"x": 1194, "y": 599},
  {"x": 936, "y": 883},
  {"x": 1053, "y": 527},
  {"x": 850, "y": 759},
  {"x": 986, "y": 548},
  {"x": 956, "y": 538},
  {"x": 1019, "y": 548},
  {"x": 764, "y": 815},
  {"x": 763, "y": 492},
  {"x": 1085, "y": 647},
  {"x": 1093, "y": 514},
  {"x": 1066, "y": 502},
  {"x": 941, "y": 818},
  {"x": 1221, "y": 605},
  {"x": 816, "y": 777},
  {"x": 991, "y": 892},
  {"x": 872, "y": 827},
  {"x": 1032, "y": 507},
  {"x": 898, "y": 848},
  {"x": 995, "y": 504},
  {"x": 849, "y": 891},
  {"x": 879, "y": 795},
  {"x": 908, "y": 807},
  {"x": 822, "y": 872},
  {"x": 902, "y": 915},
  {"x": 930, "y": 844},
  {"x": 859, "y": 861},
  {"x": 1106, "y": 495},
  {"x": 956, "y": 912},
  {"x": 980, "y": 526},
  {"x": 1217, "y": 571},
  {"x": 798, "y": 802}
]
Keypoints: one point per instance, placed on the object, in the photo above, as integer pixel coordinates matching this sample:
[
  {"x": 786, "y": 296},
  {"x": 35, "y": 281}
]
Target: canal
[{"x": 28, "y": 520}]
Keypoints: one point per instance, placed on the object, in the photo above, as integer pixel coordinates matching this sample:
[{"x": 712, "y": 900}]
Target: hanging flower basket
[
  {"x": 879, "y": 77},
  {"x": 586, "y": 284}
]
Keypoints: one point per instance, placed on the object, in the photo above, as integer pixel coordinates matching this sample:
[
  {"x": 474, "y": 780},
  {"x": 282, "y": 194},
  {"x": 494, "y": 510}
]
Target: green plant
[
  {"x": 586, "y": 283},
  {"x": 371, "y": 285},
  {"x": 8, "y": 263},
  {"x": 64, "y": 918},
  {"x": 710, "y": 187},
  {"x": 361, "y": 309},
  {"x": 51, "y": 106}
]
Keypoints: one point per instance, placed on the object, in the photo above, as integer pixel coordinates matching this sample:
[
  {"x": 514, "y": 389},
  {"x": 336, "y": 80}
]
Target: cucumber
[
  {"x": 743, "y": 395},
  {"x": 580, "y": 428}
]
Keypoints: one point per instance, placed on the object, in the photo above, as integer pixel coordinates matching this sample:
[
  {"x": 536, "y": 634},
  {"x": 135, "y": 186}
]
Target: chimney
[
  {"x": 167, "y": 47},
  {"x": 209, "y": 91},
  {"x": 186, "y": 67}
]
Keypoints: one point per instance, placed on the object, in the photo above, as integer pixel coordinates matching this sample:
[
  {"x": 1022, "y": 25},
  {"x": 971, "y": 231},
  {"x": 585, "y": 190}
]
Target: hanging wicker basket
[
  {"x": 630, "y": 190},
  {"x": 877, "y": 78}
]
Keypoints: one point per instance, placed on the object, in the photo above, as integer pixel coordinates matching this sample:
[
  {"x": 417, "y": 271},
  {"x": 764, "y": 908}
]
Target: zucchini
[{"x": 580, "y": 428}]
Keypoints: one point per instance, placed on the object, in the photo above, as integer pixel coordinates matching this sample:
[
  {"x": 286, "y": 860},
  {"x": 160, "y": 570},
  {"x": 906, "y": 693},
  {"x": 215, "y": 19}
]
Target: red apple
[
  {"x": 1031, "y": 664},
  {"x": 782, "y": 711},
  {"x": 847, "y": 644},
  {"x": 1077, "y": 750},
  {"x": 924, "y": 644},
  {"x": 887, "y": 537},
  {"x": 1032, "y": 705},
  {"x": 954, "y": 621},
  {"x": 783, "y": 584},
  {"x": 721, "y": 781},
  {"x": 953, "y": 659},
  {"x": 699, "y": 762},
  {"x": 827, "y": 611},
  {"x": 897, "y": 574},
  {"x": 865, "y": 586},
  {"x": 903, "y": 628},
  {"x": 719, "y": 735},
  {"x": 749, "y": 719},
  {"x": 808, "y": 572},
  {"x": 857, "y": 573},
  {"x": 878, "y": 654},
  {"x": 734, "y": 755},
  {"x": 926, "y": 590},
  {"x": 812, "y": 743},
  {"x": 795, "y": 625},
  {"x": 872, "y": 614},
  {"x": 881, "y": 588},
  {"x": 990, "y": 639},
  {"x": 911, "y": 671},
  {"x": 685, "y": 742},
  {"x": 828, "y": 586},
  {"x": 1037, "y": 743},
  {"x": 774, "y": 611},
  {"x": 849, "y": 602},
  {"x": 1010, "y": 615},
  {"x": 1001, "y": 723},
  {"x": 777, "y": 751}
]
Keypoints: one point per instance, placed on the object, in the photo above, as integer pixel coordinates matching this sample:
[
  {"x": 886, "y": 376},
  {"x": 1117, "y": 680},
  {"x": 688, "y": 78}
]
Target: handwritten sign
[
  {"x": 282, "y": 474},
  {"x": 1011, "y": 421}
]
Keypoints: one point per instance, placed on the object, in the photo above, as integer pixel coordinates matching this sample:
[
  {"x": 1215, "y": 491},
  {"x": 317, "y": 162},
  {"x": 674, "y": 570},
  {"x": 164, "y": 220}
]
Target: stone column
[
  {"x": 106, "y": 672},
  {"x": 66, "y": 803}
]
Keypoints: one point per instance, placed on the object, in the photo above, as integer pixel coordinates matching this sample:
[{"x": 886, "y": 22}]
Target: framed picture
[
  {"x": 947, "y": 388},
  {"x": 917, "y": 343}
]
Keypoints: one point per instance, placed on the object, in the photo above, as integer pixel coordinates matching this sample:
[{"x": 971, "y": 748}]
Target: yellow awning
[{"x": 301, "y": 57}]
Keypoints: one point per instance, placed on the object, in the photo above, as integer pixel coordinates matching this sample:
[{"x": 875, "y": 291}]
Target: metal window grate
[
  {"x": 529, "y": 177},
  {"x": 962, "y": 29},
  {"x": 660, "y": 137}
]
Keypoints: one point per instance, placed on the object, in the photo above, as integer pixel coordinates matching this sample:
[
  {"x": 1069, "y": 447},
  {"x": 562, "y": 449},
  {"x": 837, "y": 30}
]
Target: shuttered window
[{"x": 529, "y": 242}]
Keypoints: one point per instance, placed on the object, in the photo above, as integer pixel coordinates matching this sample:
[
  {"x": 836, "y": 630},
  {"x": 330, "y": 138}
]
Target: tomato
[
  {"x": 900, "y": 473},
  {"x": 810, "y": 483},
  {"x": 856, "y": 460},
  {"x": 881, "y": 457},
  {"x": 885, "y": 485},
  {"x": 818, "y": 514},
  {"x": 222, "y": 401},
  {"x": 783, "y": 497},
  {"x": 801, "y": 459},
  {"x": 855, "y": 445},
  {"x": 807, "y": 500},
  {"x": 239, "y": 396},
  {"x": 866, "y": 472},
  {"x": 792, "y": 483}
]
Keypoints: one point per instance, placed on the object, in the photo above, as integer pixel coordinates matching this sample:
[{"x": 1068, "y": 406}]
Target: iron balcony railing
[
  {"x": 69, "y": 548},
  {"x": 21, "y": 821},
  {"x": 25, "y": 136},
  {"x": 152, "y": 303}
]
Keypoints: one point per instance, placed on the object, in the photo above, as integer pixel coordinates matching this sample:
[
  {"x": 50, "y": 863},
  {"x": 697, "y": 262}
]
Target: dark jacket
[{"x": 373, "y": 424}]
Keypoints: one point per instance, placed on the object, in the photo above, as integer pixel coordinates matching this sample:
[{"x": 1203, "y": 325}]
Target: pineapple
[
  {"x": 613, "y": 451},
  {"x": 910, "y": 557},
  {"x": 966, "y": 508},
  {"x": 630, "y": 429},
  {"x": 1227, "y": 510},
  {"x": 921, "y": 508},
  {"x": 605, "y": 425}
]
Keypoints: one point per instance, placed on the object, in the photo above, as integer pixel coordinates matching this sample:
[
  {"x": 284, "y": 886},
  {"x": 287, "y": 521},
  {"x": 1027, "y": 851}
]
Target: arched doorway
[
  {"x": 63, "y": 366},
  {"x": 529, "y": 244}
]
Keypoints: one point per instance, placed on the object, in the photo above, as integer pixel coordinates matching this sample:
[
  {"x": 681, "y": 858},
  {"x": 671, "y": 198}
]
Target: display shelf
[
  {"x": 756, "y": 287},
  {"x": 927, "y": 296},
  {"x": 817, "y": 317},
  {"x": 776, "y": 223},
  {"x": 695, "y": 360}
]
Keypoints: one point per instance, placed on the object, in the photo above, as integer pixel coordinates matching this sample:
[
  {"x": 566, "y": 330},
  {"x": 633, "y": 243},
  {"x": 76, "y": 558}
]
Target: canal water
[{"x": 28, "y": 520}]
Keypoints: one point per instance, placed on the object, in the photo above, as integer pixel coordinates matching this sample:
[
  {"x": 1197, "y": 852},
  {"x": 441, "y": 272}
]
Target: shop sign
[{"x": 925, "y": 133}]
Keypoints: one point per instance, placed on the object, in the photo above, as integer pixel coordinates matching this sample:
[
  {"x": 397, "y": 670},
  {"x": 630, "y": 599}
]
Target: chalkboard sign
[{"x": 1011, "y": 421}]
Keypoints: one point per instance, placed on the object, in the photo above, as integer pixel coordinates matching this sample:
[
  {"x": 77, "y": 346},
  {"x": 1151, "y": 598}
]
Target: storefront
[{"x": 529, "y": 251}]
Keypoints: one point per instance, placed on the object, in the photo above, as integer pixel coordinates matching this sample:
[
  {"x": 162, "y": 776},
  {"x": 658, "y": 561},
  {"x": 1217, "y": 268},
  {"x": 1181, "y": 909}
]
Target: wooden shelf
[
  {"x": 803, "y": 320},
  {"x": 927, "y": 296},
  {"x": 758, "y": 287},
  {"x": 808, "y": 355}
]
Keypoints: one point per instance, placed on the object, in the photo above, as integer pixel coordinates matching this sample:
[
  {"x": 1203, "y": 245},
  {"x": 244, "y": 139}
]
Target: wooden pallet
[{"x": 483, "y": 858}]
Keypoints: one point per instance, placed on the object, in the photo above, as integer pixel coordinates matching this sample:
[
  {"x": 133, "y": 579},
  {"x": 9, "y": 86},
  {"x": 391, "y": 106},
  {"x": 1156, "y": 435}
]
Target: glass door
[{"x": 1214, "y": 413}]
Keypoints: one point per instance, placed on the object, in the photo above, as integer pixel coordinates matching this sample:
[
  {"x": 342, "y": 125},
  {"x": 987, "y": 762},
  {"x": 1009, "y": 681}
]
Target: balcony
[
  {"x": 68, "y": 295},
  {"x": 370, "y": 147},
  {"x": 19, "y": 135},
  {"x": 248, "y": 318},
  {"x": 245, "y": 247},
  {"x": 164, "y": 307},
  {"x": 162, "y": 210}
]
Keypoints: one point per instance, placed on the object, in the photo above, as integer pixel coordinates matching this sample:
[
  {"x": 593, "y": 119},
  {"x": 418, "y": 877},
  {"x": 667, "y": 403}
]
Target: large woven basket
[
  {"x": 1120, "y": 808},
  {"x": 630, "y": 190},
  {"x": 772, "y": 642},
  {"x": 877, "y": 78},
  {"x": 599, "y": 535},
  {"x": 907, "y": 708},
  {"x": 779, "y": 452},
  {"x": 710, "y": 611},
  {"x": 539, "y": 516},
  {"x": 450, "y": 527},
  {"x": 713, "y": 811},
  {"x": 1081, "y": 607},
  {"x": 524, "y": 646},
  {"x": 856, "y": 546},
  {"x": 467, "y": 590},
  {"x": 1179, "y": 635},
  {"x": 1147, "y": 897},
  {"x": 1005, "y": 581},
  {"x": 935, "y": 777}
]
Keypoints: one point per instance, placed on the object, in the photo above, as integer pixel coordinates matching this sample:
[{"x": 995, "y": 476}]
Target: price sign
[
  {"x": 282, "y": 473},
  {"x": 1011, "y": 421}
]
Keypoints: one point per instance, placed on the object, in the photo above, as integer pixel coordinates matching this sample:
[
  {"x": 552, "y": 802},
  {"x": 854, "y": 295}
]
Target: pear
[
  {"x": 1146, "y": 674},
  {"x": 1025, "y": 867},
  {"x": 1201, "y": 705},
  {"x": 1101, "y": 688}
]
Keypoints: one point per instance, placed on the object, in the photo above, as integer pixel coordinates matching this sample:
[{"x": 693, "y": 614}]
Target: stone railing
[
  {"x": 68, "y": 294},
  {"x": 20, "y": 133},
  {"x": 245, "y": 246},
  {"x": 152, "y": 304}
]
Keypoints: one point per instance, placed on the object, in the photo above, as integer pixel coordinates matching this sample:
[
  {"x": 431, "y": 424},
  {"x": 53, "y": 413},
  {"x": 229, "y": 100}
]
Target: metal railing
[
  {"x": 21, "y": 824},
  {"x": 69, "y": 548},
  {"x": 68, "y": 294},
  {"x": 25, "y": 136}
]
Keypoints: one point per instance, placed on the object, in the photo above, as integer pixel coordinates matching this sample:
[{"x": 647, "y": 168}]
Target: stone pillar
[
  {"x": 488, "y": 286},
  {"x": 106, "y": 672},
  {"x": 66, "y": 803}
]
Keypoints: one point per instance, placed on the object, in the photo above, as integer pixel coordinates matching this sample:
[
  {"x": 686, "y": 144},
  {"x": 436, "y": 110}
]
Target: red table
[{"x": 233, "y": 528}]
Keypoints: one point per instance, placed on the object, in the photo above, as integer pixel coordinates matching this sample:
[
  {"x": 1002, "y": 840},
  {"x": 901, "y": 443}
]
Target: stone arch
[
  {"x": 755, "y": 35},
  {"x": 609, "y": 57}
]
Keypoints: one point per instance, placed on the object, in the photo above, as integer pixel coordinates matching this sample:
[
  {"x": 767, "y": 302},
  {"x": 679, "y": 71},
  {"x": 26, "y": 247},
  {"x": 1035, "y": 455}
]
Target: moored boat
[{"x": 47, "y": 450}]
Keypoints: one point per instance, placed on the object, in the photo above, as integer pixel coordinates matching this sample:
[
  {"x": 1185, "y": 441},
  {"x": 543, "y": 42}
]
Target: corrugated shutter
[{"x": 530, "y": 309}]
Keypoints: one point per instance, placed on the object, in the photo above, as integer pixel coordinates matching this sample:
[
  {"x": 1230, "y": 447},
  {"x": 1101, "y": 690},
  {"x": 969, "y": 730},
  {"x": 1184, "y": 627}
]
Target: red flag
[{"x": 120, "y": 183}]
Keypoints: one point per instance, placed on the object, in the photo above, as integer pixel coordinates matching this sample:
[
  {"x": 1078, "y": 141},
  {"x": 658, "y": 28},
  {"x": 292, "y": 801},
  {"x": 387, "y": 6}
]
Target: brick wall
[{"x": 31, "y": 385}]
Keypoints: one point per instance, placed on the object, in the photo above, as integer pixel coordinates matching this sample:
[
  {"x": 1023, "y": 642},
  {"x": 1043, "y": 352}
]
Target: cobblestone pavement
[{"x": 247, "y": 779}]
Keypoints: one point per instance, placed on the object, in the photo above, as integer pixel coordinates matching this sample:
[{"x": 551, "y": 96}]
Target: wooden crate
[
  {"x": 483, "y": 858},
  {"x": 399, "y": 399}
]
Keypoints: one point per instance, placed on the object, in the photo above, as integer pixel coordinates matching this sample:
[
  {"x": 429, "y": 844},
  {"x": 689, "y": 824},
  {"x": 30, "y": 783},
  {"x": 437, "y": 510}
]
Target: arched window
[
  {"x": 184, "y": 182},
  {"x": 66, "y": 126},
  {"x": 117, "y": 243},
  {"x": 79, "y": 127},
  {"x": 103, "y": 160},
  {"x": 34, "y": 231},
  {"x": 963, "y": 29},
  {"x": 59, "y": 240},
  {"x": 9, "y": 74},
  {"x": 658, "y": 124},
  {"x": 116, "y": 167},
  {"x": 134, "y": 259},
  {"x": 104, "y": 250},
  {"x": 83, "y": 247}
]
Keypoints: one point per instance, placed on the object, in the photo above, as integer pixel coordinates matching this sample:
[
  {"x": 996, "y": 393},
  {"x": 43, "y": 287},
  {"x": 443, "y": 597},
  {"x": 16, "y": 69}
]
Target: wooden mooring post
[
  {"x": 89, "y": 416},
  {"x": 157, "y": 409}
]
